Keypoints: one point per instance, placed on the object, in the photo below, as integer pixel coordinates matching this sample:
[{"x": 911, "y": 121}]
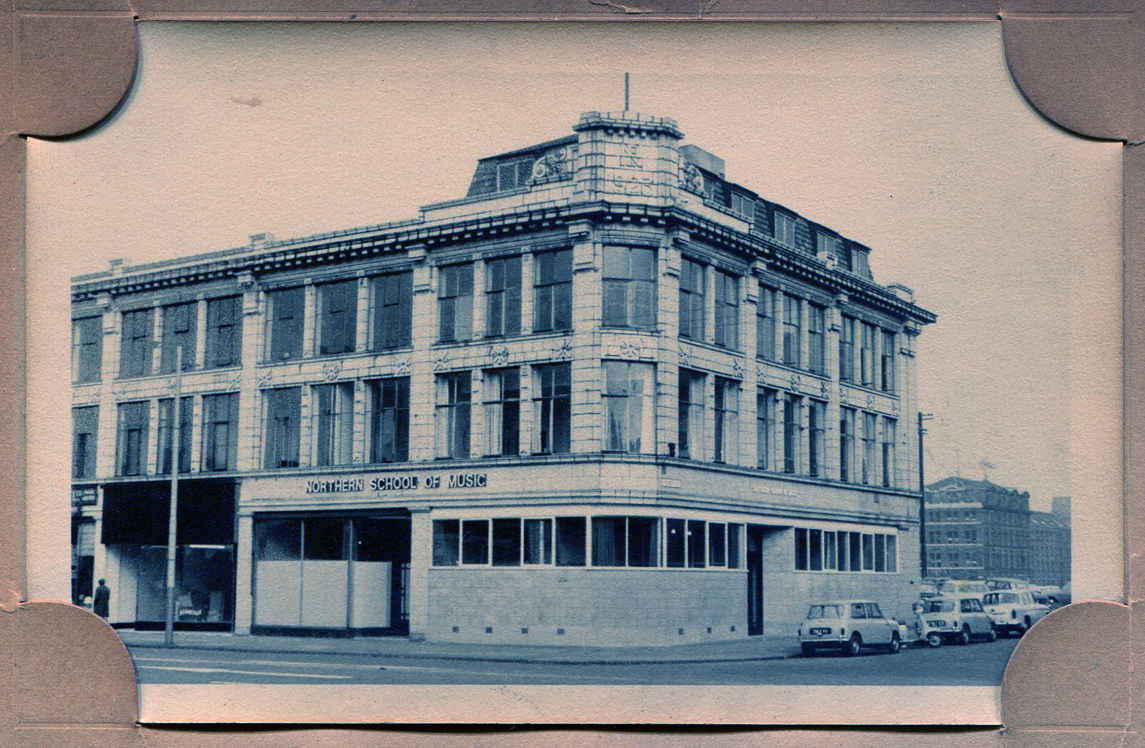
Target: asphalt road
[{"x": 978, "y": 664}]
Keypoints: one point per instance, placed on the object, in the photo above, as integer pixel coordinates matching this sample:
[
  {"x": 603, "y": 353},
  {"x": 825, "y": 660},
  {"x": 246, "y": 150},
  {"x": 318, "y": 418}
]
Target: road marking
[
  {"x": 284, "y": 663},
  {"x": 242, "y": 672}
]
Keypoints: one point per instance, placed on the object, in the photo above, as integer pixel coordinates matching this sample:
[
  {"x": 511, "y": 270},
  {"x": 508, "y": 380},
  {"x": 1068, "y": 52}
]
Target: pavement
[{"x": 743, "y": 650}]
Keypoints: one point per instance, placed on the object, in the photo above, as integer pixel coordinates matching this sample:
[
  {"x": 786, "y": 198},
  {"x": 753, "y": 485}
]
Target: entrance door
[{"x": 754, "y": 580}]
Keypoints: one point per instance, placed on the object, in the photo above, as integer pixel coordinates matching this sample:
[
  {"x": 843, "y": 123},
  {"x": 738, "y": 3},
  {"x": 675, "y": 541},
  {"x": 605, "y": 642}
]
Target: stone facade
[{"x": 806, "y": 335}]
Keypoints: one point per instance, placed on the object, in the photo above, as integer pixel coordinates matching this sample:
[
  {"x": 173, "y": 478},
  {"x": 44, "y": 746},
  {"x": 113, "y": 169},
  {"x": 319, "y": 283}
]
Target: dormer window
[
  {"x": 833, "y": 248},
  {"x": 514, "y": 174},
  {"x": 743, "y": 204},
  {"x": 784, "y": 229}
]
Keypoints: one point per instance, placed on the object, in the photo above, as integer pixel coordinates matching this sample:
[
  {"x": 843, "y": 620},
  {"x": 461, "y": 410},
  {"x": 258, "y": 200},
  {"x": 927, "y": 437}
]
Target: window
[
  {"x": 221, "y": 432},
  {"x": 792, "y": 432},
  {"x": 166, "y": 417},
  {"x": 552, "y": 285},
  {"x": 735, "y": 531},
  {"x": 743, "y": 204},
  {"x": 608, "y": 541},
  {"x": 816, "y": 340},
  {"x": 452, "y": 417},
  {"x": 552, "y": 401},
  {"x": 502, "y": 411},
  {"x": 629, "y": 287},
  {"x": 284, "y": 323},
  {"x": 692, "y": 299},
  {"x": 475, "y": 541},
  {"x": 537, "y": 546},
  {"x": 644, "y": 541},
  {"x": 717, "y": 544},
  {"x": 571, "y": 538},
  {"x": 281, "y": 431},
  {"x": 389, "y": 420},
  {"x": 507, "y": 542},
  {"x": 815, "y": 550},
  {"x": 847, "y": 350},
  {"x": 85, "y": 428},
  {"x": 792, "y": 327},
  {"x": 446, "y": 542},
  {"x": 514, "y": 174},
  {"x": 392, "y": 308},
  {"x": 628, "y": 407},
  {"x": 135, "y": 343},
  {"x": 764, "y": 424},
  {"x": 697, "y": 542},
  {"x": 870, "y": 422},
  {"x": 332, "y": 408},
  {"x": 887, "y": 378},
  {"x": 867, "y": 355},
  {"x": 676, "y": 544},
  {"x": 455, "y": 303},
  {"x": 503, "y": 297},
  {"x": 801, "y": 549},
  {"x": 727, "y": 310},
  {"x": 765, "y": 324},
  {"x": 224, "y": 342},
  {"x": 784, "y": 229},
  {"x": 690, "y": 417},
  {"x": 868, "y": 552},
  {"x": 726, "y": 421},
  {"x": 337, "y": 317},
  {"x": 179, "y": 323},
  {"x": 830, "y": 551},
  {"x": 889, "y": 429},
  {"x": 131, "y": 438},
  {"x": 816, "y": 415},
  {"x": 847, "y": 444},
  {"x": 87, "y": 349}
]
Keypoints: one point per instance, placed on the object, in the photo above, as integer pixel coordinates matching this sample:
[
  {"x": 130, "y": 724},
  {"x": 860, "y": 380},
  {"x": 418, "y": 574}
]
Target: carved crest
[
  {"x": 498, "y": 357},
  {"x": 693, "y": 180}
]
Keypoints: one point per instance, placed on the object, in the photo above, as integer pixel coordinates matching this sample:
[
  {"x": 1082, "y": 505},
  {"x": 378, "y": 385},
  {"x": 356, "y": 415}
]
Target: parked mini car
[
  {"x": 1014, "y": 612},
  {"x": 957, "y": 618},
  {"x": 848, "y": 625}
]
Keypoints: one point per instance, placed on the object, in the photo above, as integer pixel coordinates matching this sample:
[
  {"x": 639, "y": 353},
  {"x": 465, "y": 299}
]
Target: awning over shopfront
[{"x": 137, "y": 513}]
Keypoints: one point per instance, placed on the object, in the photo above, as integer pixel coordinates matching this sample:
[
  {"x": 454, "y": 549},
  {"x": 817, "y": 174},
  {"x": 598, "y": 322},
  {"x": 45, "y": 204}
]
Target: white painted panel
[
  {"x": 371, "y": 594},
  {"x": 324, "y": 593},
  {"x": 277, "y": 590}
]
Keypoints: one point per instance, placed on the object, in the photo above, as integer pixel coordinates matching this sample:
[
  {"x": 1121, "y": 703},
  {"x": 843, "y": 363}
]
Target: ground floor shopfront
[{"x": 663, "y": 560}]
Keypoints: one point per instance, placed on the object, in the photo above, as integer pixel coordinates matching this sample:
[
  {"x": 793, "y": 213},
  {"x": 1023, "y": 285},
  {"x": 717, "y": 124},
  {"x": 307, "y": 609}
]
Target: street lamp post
[
  {"x": 172, "y": 520},
  {"x": 922, "y": 417}
]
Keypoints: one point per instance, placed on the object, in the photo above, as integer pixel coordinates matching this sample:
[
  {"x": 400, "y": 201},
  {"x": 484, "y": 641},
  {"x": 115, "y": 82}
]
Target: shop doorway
[
  {"x": 204, "y": 587},
  {"x": 755, "y": 580},
  {"x": 330, "y": 574}
]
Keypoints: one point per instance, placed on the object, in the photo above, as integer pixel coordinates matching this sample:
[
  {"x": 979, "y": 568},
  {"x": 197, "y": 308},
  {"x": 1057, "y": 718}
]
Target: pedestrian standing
[{"x": 102, "y": 601}]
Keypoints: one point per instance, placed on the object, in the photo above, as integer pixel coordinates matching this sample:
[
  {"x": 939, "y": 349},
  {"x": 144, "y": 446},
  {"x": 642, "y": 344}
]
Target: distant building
[
  {"x": 977, "y": 530},
  {"x": 1061, "y": 508},
  {"x": 1050, "y": 546}
]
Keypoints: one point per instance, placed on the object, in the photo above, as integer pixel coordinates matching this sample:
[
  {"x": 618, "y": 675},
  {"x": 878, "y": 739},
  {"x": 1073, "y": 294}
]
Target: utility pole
[
  {"x": 172, "y": 521},
  {"x": 922, "y": 417}
]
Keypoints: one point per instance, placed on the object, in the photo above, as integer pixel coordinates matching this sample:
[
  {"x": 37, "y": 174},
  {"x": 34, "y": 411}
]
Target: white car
[
  {"x": 957, "y": 618},
  {"x": 848, "y": 625},
  {"x": 958, "y": 587},
  {"x": 1014, "y": 612}
]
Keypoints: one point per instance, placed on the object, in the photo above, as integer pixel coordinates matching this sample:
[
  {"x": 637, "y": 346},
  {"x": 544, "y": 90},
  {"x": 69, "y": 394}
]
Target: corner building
[{"x": 608, "y": 397}]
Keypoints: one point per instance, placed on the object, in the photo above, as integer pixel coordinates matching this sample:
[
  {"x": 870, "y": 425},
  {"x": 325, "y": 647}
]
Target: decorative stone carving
[
  {"x": 870, "y": 402},
  {"x": 561, "y": 351},
  {"x": 796, "y": 383},
  {"x": 631, "y": 349},
  {"x": 895, "y": 407},
  {"x": 331, "y": 370},
  {"x": 737, "y": 369},
  {"x": 823, "y": 390},
  {"x": 554, "y": 165},
  {"x": 685, "y": 358},
  {"x": 498, "y": 357},
  {"x": 442, "y": 362},
  {"x": 760, "y": 376},
  {"x": 843, "y": 396},
  {"x": 691, "y": 179},
  {"x": 266, "y": 378},
  {"x": 403, "y": 366}
]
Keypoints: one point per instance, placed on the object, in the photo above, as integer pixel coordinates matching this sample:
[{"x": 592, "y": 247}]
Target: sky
[{"x": 911, "y": 139}]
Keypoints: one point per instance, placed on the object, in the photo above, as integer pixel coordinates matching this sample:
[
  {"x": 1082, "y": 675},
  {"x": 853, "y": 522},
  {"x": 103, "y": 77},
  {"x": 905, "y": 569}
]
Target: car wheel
[
  {"x": 934, "y": 639},
  {"x": 1023, "y": 627},
  {"x": 853, "y": 646},
  {"x": 808, "y": 650},
  {"x": 895, "y": 645},
  {"x": 964, "y": 635},
  {"x": 993, "y": 635}
]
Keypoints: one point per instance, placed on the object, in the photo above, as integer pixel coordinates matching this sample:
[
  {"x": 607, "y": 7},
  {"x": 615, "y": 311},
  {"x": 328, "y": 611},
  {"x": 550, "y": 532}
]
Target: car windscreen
[
  {"x": 1001, "y": 598},
  {"x": 824, "y": 611},
  {"x": 939, "y": 606}
]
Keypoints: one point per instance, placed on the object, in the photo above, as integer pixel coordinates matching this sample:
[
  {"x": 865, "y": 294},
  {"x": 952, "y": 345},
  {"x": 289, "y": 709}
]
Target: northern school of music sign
[{"x": 360, "y": 484}]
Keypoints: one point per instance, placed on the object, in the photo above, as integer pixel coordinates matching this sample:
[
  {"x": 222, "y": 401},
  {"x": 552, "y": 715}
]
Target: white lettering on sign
[{"x": 396, "y": 483}]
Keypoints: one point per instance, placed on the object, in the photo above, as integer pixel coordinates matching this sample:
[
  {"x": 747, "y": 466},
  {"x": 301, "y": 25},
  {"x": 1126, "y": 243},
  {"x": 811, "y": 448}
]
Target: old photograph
[{"x": 410, "y": 372}]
